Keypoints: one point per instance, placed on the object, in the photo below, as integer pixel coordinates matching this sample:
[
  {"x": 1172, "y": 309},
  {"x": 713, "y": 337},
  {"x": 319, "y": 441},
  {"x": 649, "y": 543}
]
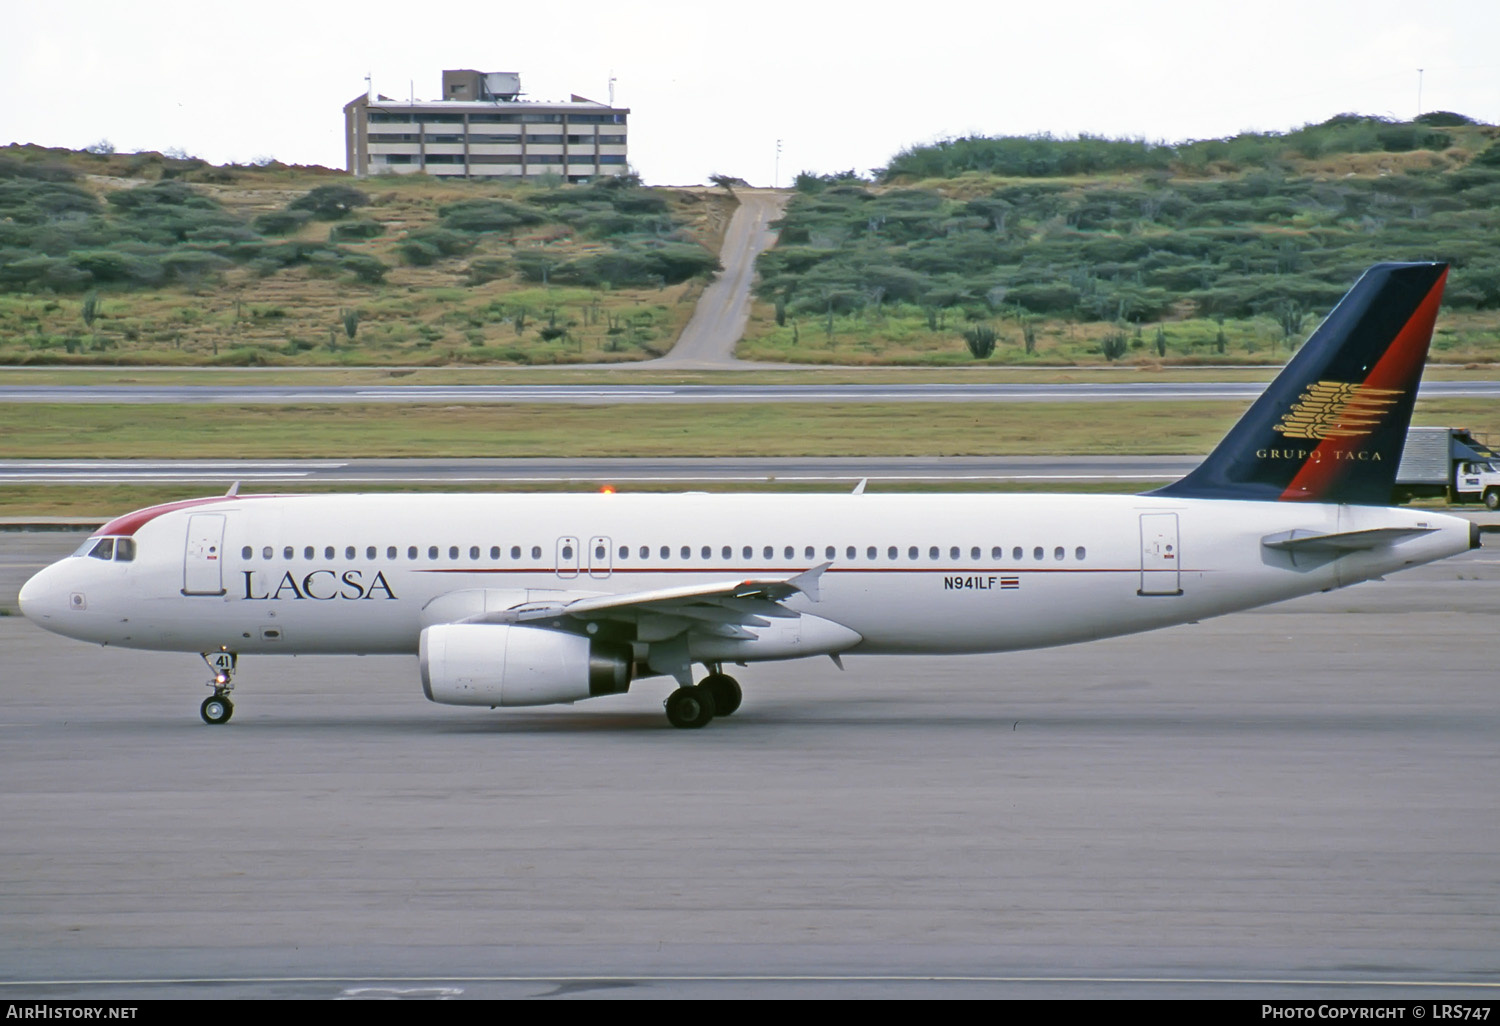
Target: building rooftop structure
[{"x": 483, "y": 129}]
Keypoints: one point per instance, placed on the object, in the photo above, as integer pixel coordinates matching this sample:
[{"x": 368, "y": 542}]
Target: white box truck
[{"x": 1448, "y": 462}]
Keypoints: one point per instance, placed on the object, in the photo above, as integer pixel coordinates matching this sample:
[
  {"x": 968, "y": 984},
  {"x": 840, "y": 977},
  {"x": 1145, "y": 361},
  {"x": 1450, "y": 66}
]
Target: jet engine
[{"x": 501, "y": 664}]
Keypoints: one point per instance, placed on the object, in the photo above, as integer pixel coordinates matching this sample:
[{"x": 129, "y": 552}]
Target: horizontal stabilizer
[{"x": 1303, "y": 540}]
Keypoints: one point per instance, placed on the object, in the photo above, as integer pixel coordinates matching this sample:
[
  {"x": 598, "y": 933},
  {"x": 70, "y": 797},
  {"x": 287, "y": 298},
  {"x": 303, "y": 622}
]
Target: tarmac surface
[
  {"x": 631, "y": 394},
  {"x": 1298, "y": 803}
]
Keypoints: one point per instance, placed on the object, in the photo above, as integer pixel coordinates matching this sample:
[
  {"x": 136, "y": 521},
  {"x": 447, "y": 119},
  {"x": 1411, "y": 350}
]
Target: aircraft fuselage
[{"x": 907, "y": 573}]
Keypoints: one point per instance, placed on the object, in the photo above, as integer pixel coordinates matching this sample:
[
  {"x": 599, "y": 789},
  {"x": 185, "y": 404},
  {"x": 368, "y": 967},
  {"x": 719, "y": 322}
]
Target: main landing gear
[
  {"x": 217, "y": 708},
  {"x": 718, "y": 694}
]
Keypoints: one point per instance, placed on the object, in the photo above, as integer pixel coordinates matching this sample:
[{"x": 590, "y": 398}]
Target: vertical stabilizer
[{"x": 1331, "y": 427}]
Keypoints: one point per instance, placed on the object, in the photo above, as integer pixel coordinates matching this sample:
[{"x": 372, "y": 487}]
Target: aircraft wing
[{"x": 722, "y": 608}]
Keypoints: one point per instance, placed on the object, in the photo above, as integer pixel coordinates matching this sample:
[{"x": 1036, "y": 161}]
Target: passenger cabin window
[
  {"x": 1079, "y": 552},
  {"x": 515, "y": 552},
  {"x": 1016, "y": 552},
  {"x": 246, "y": 553},
  {"x": 1057, "y": 553},
  {"x": 473, "y": 551},
  {"x": 452, "y": 551},
  {"x": 432, "y": 552},
  {"x": 267, "y": 552},
  {"x": 536, "y": 552},
  {"x": 411, "y": 552},
  {"x": 328, "y": 552},
  {"x": 348, "y": 551},
  {"x": 1036, "y": 553},
  {"x": 309, "y": 552},
  {"x": 288, "y": 552},
  {"x": 390, "y": 552},
  {"x": 494, "y": 552}
]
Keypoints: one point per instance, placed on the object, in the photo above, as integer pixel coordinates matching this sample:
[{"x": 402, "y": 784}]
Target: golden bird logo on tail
[{"x": 1336, "y": 409}]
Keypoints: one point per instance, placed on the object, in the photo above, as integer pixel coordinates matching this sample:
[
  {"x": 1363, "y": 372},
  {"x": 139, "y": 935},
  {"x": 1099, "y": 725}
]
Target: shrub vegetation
[
  {"x": 1258, "y": 228},
  {"x": 245, "y": 265}
]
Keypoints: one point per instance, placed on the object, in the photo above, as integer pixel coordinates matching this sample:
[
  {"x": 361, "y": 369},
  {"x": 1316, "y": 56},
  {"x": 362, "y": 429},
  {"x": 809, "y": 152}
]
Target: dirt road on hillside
[{"x": 708, "y": 341}]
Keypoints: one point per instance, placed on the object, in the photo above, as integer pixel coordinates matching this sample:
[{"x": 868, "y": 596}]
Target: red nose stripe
[
  {"x": 1397, "y": 368},
  {"x": 133, "y": 522}
]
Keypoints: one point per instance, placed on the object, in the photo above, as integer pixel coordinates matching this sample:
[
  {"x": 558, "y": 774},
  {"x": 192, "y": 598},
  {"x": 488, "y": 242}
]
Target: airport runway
[
  {"x": 716, "y": 393},
  {"x": 1294, "y": 803},
  {"x": 459, "y": 472}
]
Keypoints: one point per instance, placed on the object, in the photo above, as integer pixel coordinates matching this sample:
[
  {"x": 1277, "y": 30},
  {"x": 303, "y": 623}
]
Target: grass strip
[{"x": 108, "y": 431}]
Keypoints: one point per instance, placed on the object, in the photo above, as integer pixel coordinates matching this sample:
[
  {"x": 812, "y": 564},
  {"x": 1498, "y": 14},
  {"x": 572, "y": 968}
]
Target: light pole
[{"x": 776, "y": 178}]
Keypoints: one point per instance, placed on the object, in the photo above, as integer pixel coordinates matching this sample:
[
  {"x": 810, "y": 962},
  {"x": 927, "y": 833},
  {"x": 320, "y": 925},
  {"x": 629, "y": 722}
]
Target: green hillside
[
  {"x": 145, "y": 258},
  {"x": 1036, "y": 249}
]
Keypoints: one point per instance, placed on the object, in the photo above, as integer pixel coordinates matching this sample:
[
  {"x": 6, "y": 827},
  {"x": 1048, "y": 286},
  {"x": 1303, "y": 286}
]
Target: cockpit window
[{"x": 121, "y": 550}]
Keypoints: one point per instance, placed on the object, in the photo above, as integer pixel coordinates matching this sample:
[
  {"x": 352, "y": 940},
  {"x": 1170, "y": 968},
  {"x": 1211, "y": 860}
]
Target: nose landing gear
[{"x": 217, "y": 708}]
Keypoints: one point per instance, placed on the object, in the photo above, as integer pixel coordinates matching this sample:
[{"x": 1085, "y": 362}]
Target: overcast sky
[{"x": 712, "y": 87}]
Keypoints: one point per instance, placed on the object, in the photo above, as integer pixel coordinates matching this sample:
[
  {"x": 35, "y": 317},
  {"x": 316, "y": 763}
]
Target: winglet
[
  {"x": 807, "y": 581},
  {"x": 859, "y": 489},
  {"x": 234, "y": 490}
]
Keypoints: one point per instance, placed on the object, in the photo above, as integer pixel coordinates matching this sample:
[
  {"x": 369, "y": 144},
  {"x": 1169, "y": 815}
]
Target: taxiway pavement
[
  {"x": 629, "y": 394},
  {"x": 215, "y": 473},
  {"x": 1298, "y": 802}
]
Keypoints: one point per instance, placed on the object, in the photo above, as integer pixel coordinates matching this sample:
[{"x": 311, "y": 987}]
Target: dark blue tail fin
[{"x": 1331, "y": 427}]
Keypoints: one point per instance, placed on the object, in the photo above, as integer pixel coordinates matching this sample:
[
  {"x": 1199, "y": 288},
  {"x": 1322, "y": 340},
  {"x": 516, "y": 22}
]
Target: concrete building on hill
[{"x": 481, "y": 128}]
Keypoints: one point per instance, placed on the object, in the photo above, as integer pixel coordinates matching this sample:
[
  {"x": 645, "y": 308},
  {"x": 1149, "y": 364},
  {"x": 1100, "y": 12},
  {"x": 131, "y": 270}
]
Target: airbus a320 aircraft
[{"x": 527, "y": 600}]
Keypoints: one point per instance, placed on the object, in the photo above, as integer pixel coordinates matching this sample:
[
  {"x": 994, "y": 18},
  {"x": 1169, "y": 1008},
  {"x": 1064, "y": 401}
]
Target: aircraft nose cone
[
  {"x": 38, "y": 598},
  {"x": 28, "y": 599}
]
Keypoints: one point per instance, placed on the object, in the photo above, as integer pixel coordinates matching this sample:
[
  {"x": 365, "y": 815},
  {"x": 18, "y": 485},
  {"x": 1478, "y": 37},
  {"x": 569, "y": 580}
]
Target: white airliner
[{"x": 535, "y": 599}]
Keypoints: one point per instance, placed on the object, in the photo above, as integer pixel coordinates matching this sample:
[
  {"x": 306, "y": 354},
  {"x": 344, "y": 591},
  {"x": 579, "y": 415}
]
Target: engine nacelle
[{"x": 499, "y": 664}]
